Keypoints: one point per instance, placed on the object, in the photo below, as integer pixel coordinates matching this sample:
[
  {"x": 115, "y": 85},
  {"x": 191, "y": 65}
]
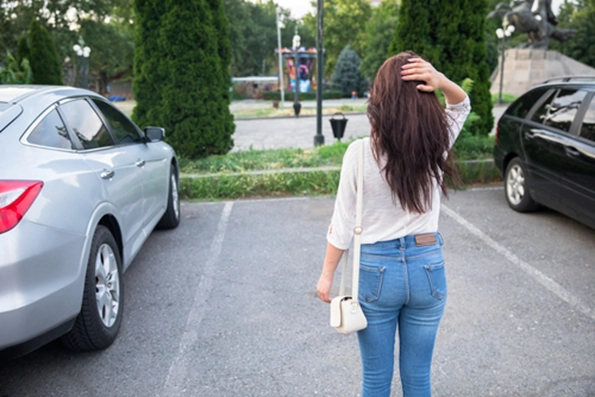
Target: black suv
[{"x": 545, "y": 148}]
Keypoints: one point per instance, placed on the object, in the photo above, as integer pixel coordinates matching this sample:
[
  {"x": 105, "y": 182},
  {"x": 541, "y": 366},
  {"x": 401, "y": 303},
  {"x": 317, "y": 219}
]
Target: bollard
[{"x": 338, "y": 126}]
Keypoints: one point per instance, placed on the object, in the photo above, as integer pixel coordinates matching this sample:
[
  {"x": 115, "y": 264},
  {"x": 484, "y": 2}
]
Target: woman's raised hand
[{"x": 418, "y": 69}]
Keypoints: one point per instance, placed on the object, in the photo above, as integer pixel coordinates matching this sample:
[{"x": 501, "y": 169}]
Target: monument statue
[{"x": 539, "y": 25}]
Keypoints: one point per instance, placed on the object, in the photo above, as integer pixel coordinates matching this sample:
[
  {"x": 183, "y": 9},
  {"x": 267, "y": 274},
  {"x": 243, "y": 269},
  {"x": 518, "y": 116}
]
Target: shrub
[
  {"x": 347, "y": 77},
  {"x": 147, "y": 84},
  {"x": 43, "y": 56},
  {"x": 15, "y": 72},
  {"x": 195, "y": 101}
]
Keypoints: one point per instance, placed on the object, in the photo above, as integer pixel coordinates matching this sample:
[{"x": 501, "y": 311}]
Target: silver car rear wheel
[
  {"x": 99, "y": 320},
  {"x": 107, "y": 285}
]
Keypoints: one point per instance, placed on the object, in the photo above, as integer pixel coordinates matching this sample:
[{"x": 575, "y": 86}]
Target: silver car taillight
[{"x": 16, "y": 197}]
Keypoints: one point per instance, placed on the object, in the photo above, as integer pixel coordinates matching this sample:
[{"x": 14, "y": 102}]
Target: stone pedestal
[{"x": 525, "y": 68}]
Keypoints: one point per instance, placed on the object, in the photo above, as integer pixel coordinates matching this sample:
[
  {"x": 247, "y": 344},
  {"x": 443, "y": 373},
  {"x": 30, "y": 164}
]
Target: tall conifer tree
[
  {"x": 452, "y": 37},
  {"x": 194, "y": 110},
  {"x": 221, "y": 24},
  {"x": 43, "y": 56},
  {"x": 148, "y": 80}
]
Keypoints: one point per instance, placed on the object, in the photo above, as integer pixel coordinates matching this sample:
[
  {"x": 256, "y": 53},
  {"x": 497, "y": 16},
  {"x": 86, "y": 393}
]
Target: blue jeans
[{"x": 401, "y": 286}]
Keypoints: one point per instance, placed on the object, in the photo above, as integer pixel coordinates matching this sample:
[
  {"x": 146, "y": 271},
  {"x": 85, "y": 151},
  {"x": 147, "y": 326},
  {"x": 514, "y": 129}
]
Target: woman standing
[{"x": 402, "y": 281}]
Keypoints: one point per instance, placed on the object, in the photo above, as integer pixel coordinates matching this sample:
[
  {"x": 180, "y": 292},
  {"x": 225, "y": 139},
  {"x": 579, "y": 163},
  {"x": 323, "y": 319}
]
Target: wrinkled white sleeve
[
  {"x": 456, "y": 114},
  {"x": 340, "y": 232}
]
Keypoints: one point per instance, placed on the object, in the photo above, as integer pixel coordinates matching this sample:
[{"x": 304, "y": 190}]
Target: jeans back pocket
[
  {"x": 437, "y": 279},
  {"x": 370, "y": 283}
]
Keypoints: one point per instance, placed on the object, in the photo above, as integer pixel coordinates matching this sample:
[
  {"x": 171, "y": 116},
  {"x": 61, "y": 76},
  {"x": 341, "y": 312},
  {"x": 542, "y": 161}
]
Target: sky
[{"x": 299, "y": 8}]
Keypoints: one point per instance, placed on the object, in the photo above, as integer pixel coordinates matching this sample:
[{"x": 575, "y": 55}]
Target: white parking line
[
  {"x": 541, "y": 278},
  {"x": 174, "y": 383}
]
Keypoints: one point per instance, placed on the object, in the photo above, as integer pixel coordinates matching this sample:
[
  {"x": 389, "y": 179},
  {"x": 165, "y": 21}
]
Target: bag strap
[{"x": 357, "y": 236}]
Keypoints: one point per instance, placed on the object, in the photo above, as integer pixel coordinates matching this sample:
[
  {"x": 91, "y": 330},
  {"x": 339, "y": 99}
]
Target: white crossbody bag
[{"x": 346, "y": 313}]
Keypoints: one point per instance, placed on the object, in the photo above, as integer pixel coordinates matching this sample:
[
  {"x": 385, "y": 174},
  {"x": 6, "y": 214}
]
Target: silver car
[{"x": 81, "y": 189}]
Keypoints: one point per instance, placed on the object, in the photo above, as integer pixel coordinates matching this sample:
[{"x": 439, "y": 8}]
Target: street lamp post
[
  {"x": 280, "y": 59},
  {"x": 83, "y": 58},
  {"x": 319, "y": 138},
  {"x": 296, "y": 102},
  {"x": 502, "y": 35}
]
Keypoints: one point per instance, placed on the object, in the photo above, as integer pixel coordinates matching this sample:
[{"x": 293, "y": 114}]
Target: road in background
[
  {"x": 277, "y": 133},
  {"x": 225, "y": 305}
]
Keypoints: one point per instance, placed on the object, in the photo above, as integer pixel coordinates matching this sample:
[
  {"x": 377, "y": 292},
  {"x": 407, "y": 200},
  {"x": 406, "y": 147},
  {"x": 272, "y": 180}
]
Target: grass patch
[
  {"x": 225, "y": 187},
  {"x": 311, "y": 182},
  {"x": 466, "y": 148},
  {"x": 260, "y": 160},
  {"x": 291, "y": 172}
]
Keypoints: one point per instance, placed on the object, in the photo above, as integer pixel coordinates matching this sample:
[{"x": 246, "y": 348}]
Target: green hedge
[{"x": 304, "y": 96}]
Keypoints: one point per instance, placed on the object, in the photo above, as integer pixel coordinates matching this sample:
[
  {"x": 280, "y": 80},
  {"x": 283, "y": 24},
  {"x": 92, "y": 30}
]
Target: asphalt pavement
[{"x": 226, "y": 305}]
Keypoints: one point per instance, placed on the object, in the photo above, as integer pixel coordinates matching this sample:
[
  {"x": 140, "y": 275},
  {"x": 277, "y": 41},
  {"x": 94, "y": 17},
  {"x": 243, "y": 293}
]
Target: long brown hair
[{"x": 410, "y": 131}]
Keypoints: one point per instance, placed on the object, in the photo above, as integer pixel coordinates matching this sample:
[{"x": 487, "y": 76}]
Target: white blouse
[{"x": 382, "y": 219}]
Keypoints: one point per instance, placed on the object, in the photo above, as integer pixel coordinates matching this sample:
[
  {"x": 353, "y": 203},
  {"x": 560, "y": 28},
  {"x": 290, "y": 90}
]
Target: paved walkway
[{"x": 276, "y": 133}]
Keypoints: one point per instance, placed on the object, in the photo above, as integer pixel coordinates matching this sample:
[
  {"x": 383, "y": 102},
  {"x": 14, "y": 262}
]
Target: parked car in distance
[
  {"x": 545, "y": 148},
  {"x": 81, "y": 189}
]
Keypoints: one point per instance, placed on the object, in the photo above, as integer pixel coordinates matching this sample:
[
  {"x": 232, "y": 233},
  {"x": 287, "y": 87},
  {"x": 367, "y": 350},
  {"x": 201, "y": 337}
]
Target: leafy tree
[
  {"x": 44, "y": 60},
  {"x": 347, "y": 76},
  {"x": 579, "y": 16},
  {"x": 379, "y": 33},
  {"x": 112, "y": 45},
  {"x": 192, "y": 108},
  {"x": 451, "y": 35},
  {"x": 344, "y": 23},
  {"x": 58, "y": 17},
  {"x": 253, "y": 36}
]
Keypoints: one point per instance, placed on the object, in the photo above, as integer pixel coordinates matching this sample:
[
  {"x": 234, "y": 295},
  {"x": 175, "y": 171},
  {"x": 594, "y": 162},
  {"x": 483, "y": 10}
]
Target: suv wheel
[
  {"x": 98, "y": 323},
  {"x": 516, "y": 188}
]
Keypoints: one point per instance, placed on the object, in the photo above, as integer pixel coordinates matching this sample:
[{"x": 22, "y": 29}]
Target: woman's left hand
[
  {"x": 420, "y": 70},
  {"x": 324, "y": 287}
]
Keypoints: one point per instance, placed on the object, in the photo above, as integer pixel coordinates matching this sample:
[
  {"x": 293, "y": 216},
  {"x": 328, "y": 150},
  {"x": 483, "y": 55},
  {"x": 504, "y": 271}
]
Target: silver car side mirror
[{"x": 155, "y": 134}]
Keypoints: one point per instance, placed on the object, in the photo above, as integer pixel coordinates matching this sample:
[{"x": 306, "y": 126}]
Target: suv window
[
  {"x": 124, "y": 131},
  {"x": 51, "y": 132},
  {"x": 86, "y": 124},
  {"x": 559, "y": 113},
  {"x": 523, "y": 105},
  {"x": 588, "y": 128}
]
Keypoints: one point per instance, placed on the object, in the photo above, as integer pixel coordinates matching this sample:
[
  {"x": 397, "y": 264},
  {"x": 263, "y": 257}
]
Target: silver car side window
[
  {"x": 86, "y": 124},
  {"x": 123, "y": 130},
  {"x": 51, "y": 132}
]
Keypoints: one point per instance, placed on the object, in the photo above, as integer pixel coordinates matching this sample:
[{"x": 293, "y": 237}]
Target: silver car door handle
[
  {"x": 572, "y": 151},
  {"x": 105, "y": 174},
  {"x": 140, "y": 163}
]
